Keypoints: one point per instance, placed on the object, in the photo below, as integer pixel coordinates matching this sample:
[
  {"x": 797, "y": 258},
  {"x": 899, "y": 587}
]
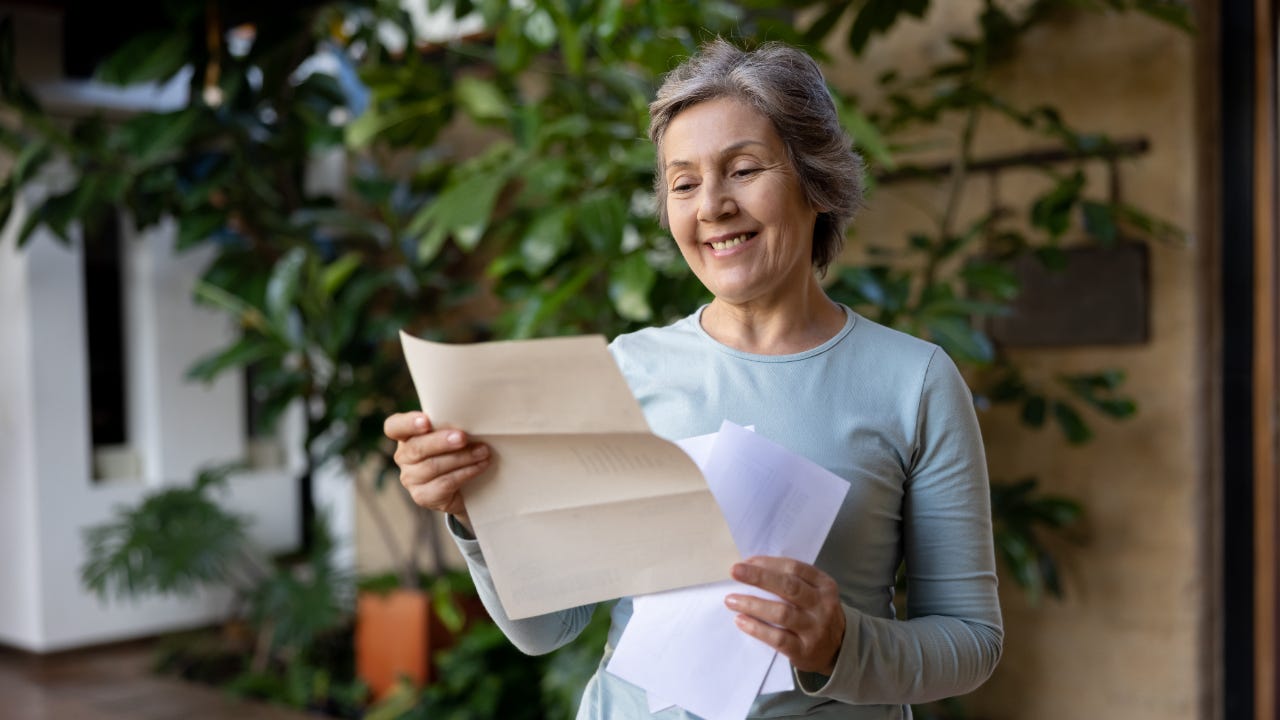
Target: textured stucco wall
[{"x": 1124, "y": 643}]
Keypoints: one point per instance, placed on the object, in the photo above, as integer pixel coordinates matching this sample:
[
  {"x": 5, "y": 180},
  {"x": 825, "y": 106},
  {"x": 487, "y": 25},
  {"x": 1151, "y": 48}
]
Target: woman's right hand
[{"x": 435, "y": 463}]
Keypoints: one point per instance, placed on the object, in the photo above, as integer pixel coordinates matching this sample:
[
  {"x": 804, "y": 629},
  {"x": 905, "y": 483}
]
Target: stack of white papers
[{"x": 682, "y": 646}]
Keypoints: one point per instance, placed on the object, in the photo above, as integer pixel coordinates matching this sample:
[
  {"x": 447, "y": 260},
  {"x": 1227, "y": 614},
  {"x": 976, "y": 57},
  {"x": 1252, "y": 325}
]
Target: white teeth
[{"x": 735, "y": 242}]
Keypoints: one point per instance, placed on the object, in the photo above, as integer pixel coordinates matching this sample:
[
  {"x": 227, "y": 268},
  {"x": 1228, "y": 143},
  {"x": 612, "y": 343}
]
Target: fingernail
[
  {"x": 481, "y": 451},
  {"x": 455, "y": 438},
  {"x": 420, "y": 422},
  {"x": 732, "y": 601}
]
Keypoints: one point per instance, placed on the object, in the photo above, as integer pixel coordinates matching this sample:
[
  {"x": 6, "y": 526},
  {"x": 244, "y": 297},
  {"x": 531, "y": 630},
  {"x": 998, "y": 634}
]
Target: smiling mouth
[{"x": 732, "y": 242}]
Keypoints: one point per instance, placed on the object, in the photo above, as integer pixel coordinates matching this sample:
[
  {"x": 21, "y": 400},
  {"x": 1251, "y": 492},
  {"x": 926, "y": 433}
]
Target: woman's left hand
[{"x": 807, "y": 626}]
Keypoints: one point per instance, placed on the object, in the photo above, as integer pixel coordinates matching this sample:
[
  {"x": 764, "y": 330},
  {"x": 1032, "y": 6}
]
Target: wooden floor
[{"x": 113, "y": 683}]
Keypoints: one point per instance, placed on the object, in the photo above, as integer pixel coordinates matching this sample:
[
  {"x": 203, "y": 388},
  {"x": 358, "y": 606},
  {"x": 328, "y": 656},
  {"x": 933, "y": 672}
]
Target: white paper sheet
[
  {"x": 779, "y": 679},
  {"x": 682, "y": 646}
]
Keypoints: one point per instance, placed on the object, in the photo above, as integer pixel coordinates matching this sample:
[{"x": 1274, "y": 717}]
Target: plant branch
[
  {"x": 959, "y": 171},
  {"x": 384, "y": 530},
  {"x": 1132, "y": 147},
  {"x": 415, "y": 545}
]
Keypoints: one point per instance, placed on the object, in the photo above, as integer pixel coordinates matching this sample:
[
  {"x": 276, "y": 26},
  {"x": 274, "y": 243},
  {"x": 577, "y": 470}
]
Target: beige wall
[{"x": 1125, "y": 642}]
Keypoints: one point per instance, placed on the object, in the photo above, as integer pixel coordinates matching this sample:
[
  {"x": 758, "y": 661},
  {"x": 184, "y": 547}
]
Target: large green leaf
[
  {"x": 960, "y": 338},
  {"x": 283, "y": 289},
  {"x": 545, "y": 181},
  {"x": 630, "y": 280},
  {"x": 152, "y": 56},
  {"x": 573, "y": 45},
  {"x": 195, "y": 227},
  {"x": 822, "y": 26},
  {"x": 1100, "y": 222},
  {"x": 1151, "y": 226},
  {"x": 461, "y": 211},
  {"x": 246, "y": 314},
  {"x": 341, "y": 222},
  {"x": 1052, "y": 211},
  {"x": 1034, "y": 410},
  {"x": 481, "y": 99},
  {"x": 602, "y": 217},
  {"x": 877, "y": 16},
  {"x": 8, "y": 68},
  {"x": 608, "y": 18},
  {"x": 541, "y": 306},
  {"x": 31, "y": 159},
  {"x": 540, "y": 28},
  {"x": 374, "y": 122},
  {"x": 866, "y": 136},
  {"x": 86, "y": 202},
  {"x": 1071, "y": 424},
  {"x": 1018, "y": 513},
  {"x": 351, "y": 307},
  {"x": 994, "y": 279},
  {"x": 878, "y": 286},
  {"x": 545, "y": 240},
  {"x": 1101, "y": 391},
  {"x": 150, "y": 137},
  {"x": 245, "y": 352},
  {"x": 336, "y": 274},
  {"x": 7, "y": 197}
]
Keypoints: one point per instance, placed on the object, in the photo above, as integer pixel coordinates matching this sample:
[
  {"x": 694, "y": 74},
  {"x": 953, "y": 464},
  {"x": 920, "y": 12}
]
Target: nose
[{"x": 717, "y": 201}]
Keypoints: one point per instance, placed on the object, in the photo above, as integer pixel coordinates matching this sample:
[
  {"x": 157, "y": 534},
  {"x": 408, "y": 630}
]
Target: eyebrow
[{"x": 727, "y": 150}]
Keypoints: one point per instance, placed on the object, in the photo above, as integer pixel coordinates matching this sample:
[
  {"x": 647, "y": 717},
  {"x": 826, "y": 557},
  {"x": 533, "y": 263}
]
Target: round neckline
[{"x": 850, "y": 319}]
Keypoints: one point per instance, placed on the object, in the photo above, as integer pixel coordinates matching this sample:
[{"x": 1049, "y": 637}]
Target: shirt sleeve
[
  {"x": 533, "y": 636},
  {"x": 953, "y": 635}
]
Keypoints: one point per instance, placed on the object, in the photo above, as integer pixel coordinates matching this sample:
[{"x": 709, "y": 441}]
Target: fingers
[
  {"x": 419, "y": 448},
  {"x": 784, "y": 641},
  {"x": 433, "y": 467},
  {"x": 402, "y": 426},
  {"x": 805, "y": 622},
  {"x": 779, "y": 614},
  {"x": 789, "y": 566},
  {"x": 789, "y": 579},
  {"x": 443, "y": 493}
]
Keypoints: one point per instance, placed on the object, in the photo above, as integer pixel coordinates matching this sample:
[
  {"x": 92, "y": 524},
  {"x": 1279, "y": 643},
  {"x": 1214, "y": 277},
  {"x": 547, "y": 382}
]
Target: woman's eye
[
  {"x": 745, "y": 172},
  {"x": 682, "y": 187}
]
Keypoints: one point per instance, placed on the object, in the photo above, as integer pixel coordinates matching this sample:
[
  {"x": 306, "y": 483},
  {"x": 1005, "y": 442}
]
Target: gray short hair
[{"x": 786, "y": 86}]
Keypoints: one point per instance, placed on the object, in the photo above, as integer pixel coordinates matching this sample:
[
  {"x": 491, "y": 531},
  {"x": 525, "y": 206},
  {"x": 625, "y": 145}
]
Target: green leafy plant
[
  {"x": 177, "y": 541},
  {"x": 180, "y": 541}
]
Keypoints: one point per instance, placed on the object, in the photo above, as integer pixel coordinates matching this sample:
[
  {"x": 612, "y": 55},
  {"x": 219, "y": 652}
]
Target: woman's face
[{"x": 735, "y": 205}]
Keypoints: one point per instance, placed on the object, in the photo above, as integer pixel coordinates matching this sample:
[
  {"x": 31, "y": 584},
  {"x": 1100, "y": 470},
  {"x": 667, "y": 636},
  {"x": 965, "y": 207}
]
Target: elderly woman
[{"x": 756, "y": 182}]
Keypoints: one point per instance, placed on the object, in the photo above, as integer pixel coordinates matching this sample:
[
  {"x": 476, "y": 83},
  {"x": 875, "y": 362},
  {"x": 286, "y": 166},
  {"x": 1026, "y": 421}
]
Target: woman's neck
[{"x": 797, "y": 322}]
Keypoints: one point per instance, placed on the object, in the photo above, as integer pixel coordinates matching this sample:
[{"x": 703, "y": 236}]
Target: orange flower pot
[{"x": 397, "y": 635}]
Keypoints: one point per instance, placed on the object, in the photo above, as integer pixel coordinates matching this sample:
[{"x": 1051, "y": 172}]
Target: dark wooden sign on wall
[{"x": 1100, "y": 296}]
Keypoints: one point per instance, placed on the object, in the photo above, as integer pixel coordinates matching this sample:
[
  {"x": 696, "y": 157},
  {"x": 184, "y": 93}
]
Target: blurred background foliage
[{"x": 352, "y": 175}]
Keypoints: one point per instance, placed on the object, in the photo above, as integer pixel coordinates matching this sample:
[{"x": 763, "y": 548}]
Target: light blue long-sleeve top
[{"x": 890, "y": 414}]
